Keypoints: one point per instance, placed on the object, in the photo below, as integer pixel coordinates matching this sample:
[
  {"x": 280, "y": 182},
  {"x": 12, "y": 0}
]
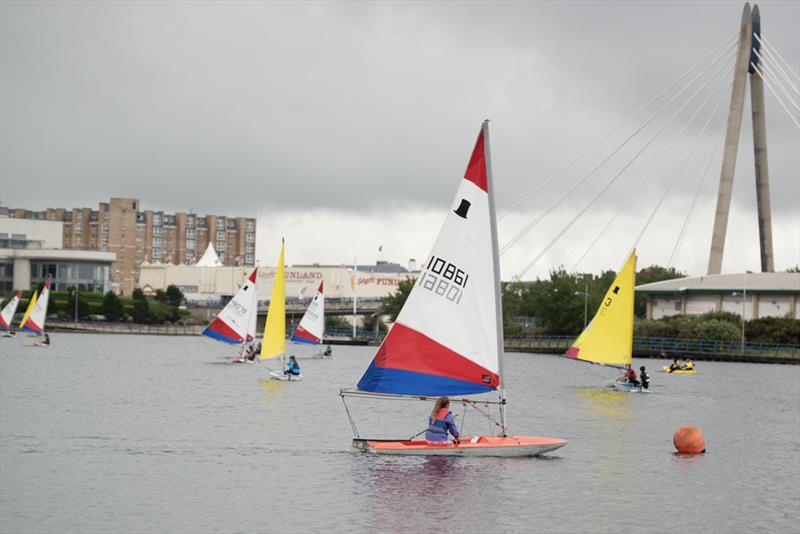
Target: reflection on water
[
  {"x": 605, "y": 401},
  {"x": 419, "y": 494}
]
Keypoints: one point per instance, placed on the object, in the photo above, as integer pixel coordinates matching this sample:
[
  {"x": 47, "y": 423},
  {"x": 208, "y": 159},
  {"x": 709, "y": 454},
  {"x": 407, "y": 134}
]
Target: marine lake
[{"x": 129, "y": 434}]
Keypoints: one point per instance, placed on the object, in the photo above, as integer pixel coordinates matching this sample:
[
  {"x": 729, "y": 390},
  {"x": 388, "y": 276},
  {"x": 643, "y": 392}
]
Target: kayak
[
  {"x": 278, "y": 375},
  {"x": 476, "y": 446},
  {"x": 630, "y": 388},
  {"x": 665, "y": 369}
]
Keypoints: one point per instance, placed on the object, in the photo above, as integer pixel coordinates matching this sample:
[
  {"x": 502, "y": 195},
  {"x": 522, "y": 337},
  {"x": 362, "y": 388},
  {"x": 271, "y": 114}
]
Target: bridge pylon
[{"x": 748, "y": 44}]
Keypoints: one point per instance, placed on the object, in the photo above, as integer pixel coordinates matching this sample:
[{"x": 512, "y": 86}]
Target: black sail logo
[{"x": 463, "y": 208}]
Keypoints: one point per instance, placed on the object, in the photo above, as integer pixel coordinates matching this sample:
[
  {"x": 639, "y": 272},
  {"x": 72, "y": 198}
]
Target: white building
[
  {"x": 210, "y": 283},
  {"x": 751, "y": 295}
]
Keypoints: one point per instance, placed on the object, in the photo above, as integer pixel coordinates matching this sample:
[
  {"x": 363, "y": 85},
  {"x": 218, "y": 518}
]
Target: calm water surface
[{"x": 125, "y": 434}]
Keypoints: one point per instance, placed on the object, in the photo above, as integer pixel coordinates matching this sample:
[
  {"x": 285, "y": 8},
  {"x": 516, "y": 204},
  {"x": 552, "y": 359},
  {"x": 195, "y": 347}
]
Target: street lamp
[{"x": 585, "y": 294}]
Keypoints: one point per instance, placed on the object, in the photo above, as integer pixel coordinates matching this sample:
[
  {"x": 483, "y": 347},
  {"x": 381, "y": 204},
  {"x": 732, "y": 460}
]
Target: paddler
[
  {"x": 689, "y": 365},
  {"x": 674, "y": 366},
  {"x": 440, "y": 423}
]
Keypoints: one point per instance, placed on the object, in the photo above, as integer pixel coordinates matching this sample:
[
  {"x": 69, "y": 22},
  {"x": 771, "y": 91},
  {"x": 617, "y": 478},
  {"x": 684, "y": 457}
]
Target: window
[
  {"x": 156, "y": 230},
  {"x": 220, "y": 246},
  {"x": 231, "y": 224},
  {"x": 156, "y": 241},
  {"x": 220, "y": 224},
  {"x": 79, "y": 216},
  {"x": 220, "y": 236},
  {"x": 189, "y": 222},
  {"x": 250, "y": 237},
  {"x": 251, "y": 226},
  {"x": 249, "y": 249},
  {"x": 156, "y": 253},
  {"x": 249, "y": 259},
  {"x": 156, "y": 219},
  {"x": 190, "y": 232}
]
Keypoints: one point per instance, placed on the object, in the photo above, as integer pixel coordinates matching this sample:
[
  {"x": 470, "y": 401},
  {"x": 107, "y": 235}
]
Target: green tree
[
  {"x": 141, "y": 308},
  {"x": 335, "y": 321},
  {"x": 556, "y": 303},
  {"x": 161, "y": 296},
  {"x": 394, "y": 302},
  {"x": 174, "y": 296},
  {"x": 112, "y": 307}
]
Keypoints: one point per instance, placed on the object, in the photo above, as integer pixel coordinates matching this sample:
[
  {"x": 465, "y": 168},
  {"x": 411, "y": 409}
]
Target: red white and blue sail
[
  {"x": 7, "y": 315},
  {"x": 445, "y": 339},
  {"x": 35, "y": 322},
  {"x": 312, "y": 325},
  {"x": 231, "y": 324}
]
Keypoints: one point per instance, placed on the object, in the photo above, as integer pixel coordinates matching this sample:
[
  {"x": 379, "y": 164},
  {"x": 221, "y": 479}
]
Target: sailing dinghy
[
  {"x": 448, "y": 338},
  {"x": 608, "y": 338},
  {"x": 7, "y": 315},
  {"x": 37, "y": 315},
  {"x": 232, "y": 325},
  {"x": 274, "y": 344},
  {"x": 312, "y": 325}
]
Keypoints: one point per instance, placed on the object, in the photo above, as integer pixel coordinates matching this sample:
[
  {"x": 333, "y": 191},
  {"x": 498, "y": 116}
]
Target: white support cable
[
  {"x": 672, "y": 183},
  {"x": 655, "y": 165},
  {"x": 682, "y": 235},
  {"x": 770, "y": 48},
  {"x": 527, "y": 228},
  {"x": 768, "y": 70},
  {"x": 761, "y": 75},
  {"x": 768, "y": 61},
  {"x": 614, "y": 130},
  {"x": 624, "y": 168}
]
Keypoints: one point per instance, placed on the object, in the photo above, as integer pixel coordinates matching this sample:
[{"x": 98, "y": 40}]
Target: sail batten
[
  {"x": 608, "y": 338},
  {"x": 445, "y": 340}
]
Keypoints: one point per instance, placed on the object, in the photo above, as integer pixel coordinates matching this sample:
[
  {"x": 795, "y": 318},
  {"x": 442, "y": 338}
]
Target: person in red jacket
[{"x": 629, "y": 376}]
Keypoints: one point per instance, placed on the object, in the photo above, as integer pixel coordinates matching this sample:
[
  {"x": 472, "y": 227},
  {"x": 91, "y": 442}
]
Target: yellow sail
[
  {"x": 608, "y": 338},
  {"x": 274, "y": 343},
  {"x": 29, "y": 309}
]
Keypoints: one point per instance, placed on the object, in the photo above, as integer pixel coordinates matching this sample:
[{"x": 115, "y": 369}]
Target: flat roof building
[
  {"x": 139, "y": 236},
  {"x": 752, "y": 295},
  {"x": 30, "y": 252}
]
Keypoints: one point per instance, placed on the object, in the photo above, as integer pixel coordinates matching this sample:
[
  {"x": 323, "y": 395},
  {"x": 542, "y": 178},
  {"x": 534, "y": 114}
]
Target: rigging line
[
  {"x": 655, "y": 165},
  {"x": 768, "y": 69},
  {"x": 555, "y": 175},
  {"x": 764, "y": 40},
  {"x": 624, "y": 168},
  {"x": 682, "y": 235},
  {"x": 761, "y": 75},
  {"x": 514, "y": 240},
  {"x": 770, "y": 62},
  {"x": 674, "y": 180}
]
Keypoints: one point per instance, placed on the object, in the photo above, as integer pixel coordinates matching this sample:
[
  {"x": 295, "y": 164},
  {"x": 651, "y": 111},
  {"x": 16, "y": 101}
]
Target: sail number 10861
[{"x": 444, "y": 279}]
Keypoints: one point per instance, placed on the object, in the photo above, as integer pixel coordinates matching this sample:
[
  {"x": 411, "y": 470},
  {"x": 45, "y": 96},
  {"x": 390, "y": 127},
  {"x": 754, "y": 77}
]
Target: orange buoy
[{"x": 688, "y": 439}]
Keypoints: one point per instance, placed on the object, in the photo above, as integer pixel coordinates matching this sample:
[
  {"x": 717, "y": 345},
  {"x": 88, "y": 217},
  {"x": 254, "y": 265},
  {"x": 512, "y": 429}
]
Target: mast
[{"x": 496, "y": 259}]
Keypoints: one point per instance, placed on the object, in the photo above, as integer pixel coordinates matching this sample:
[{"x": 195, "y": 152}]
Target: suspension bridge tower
[{"x": 747, "y": 58}]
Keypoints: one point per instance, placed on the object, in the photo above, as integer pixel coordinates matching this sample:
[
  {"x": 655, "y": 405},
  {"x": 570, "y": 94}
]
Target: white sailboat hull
[
  {"x": 278, "y": 375},
  {"x": 510, "y": 446}
]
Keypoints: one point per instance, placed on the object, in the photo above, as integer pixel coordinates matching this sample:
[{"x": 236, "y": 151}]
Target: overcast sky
[{"x": 345, "y": 126}]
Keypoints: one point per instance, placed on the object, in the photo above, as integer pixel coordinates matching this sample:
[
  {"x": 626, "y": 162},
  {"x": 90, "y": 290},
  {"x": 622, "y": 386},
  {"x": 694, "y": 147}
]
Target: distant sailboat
[
  {"x": 36, "y": 320},
  {"x": 274, "y": 343},
  {"x": 209, "y": 258},
  {"x": 608, "y": 338},
  {"x": 29, "y": 309},
  {"x": 312, "y": 325},
  {"x": 7, "y": 315},
  {"x": 231, "y": 325},
  {"x": 448, "y": 337}
]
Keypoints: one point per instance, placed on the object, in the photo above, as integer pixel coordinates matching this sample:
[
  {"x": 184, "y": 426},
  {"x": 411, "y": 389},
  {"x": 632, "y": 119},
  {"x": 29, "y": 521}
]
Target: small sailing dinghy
[
  {"x": 608, "y": 338},
  {"x": 36, "y": 316},
  {"x": 233, "y": 323},
  {"x": 312, "y": 325},
  {"x": 274, "y": 344},
  {"x": 29, "y": 309},
  {"x": 7, "y": 315},
  {"x": 448, "y": 338}
]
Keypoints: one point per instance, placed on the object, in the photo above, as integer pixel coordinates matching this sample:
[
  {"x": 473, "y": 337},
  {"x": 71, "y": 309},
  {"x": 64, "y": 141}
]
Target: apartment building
[{"x": 139, "y": 236}]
